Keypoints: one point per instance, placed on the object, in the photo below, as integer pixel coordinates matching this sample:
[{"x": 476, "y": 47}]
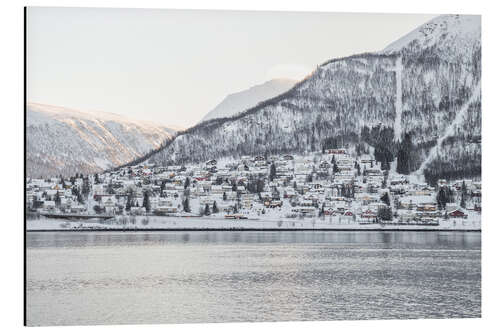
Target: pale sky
[{"x": 174, "y": 66}]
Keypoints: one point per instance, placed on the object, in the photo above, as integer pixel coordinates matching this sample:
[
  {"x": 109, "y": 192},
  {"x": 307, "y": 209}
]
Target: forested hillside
[{"x": 424, "y": 89}]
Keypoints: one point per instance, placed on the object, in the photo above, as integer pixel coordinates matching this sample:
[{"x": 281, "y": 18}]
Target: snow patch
[{"x": 399, "y": 99}]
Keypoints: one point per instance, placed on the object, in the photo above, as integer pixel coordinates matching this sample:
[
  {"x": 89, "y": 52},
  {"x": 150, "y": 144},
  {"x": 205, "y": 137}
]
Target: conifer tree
[
  {"x": 146, "y": 202},
  {"x": 272, "y": 172},
  {"x": 404, "y": 156},
  {"x": 462, "y": 200},
  {"x": 385, "y": 199},
  {"x": 129, "y": 202},
  {"x": 442, "y": 198},
  {"x": 57, "y": 199},
  {"x": 185, "y": 204}
]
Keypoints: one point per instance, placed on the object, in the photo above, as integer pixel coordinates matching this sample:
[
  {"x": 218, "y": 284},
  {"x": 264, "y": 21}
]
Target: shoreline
[
  {"x": 159, "y": 224},
  {"x": 250, "y": 229}
]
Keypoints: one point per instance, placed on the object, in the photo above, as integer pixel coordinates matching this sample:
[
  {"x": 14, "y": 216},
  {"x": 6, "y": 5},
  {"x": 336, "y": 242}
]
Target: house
[
  {"x": 77, "y": 209},
  {"x": 164, "y": 210},
  {"x": 108, "y": 202},
  {"x": 266, "y": 196},
  {"x": 427, "y": 207},
  {"x": 345, "y": 164},
  {"x": 306, "y": 203},
  {"x": 242, "y": 167},
  {"x": 273, "y": 203},
  {"x": 339, "y": 151},
  {"x": 217, "y": 189},
  {"x": 247, "y": 200},
  {"x": 137, "y": 210},
  {"x": 407, "y": 217},
  {"x": 316, "y": 187},
  {"x": 367, "y": 199},
  {"x": 442, "y": 182},
  {"x": 457, "y": 213},
  {"x": 369, "y": 214},
  {"x": 304, "y": 210},
  {"x": 303, "y": 169},
  {"x": 476, "y": 194},
  {"x": 421, "y": 192},
  {"x": 49, "y": 206},
  {"x": 50, "y": 194},
  {"x": 311, "y": 197},
  {"x": 341, "y": 207},
  {"x": 324, "y": 165},
  {"x": 207, "y": 201},
  {"x": 407, "y": 203},
  {"x": 329, "y": 211},
  {"x": 366, "y": 159},
  {"x": 65, "y": 203},
  {"x": 348, "y": 213},
  {"x": 289, "y": 193},
  {"x": 397, "y": 181}
]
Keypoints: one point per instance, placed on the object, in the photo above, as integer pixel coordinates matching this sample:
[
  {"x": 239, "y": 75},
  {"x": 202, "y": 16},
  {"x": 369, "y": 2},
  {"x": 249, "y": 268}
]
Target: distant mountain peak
[
  {"x": 40, "y": 112},
  {"x": 242, "y": 100}
]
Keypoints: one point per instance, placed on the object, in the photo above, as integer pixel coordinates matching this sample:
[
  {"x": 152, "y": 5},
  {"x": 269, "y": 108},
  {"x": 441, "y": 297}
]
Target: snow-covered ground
[
  {"x": 473, "y": 223},
  {"x": 399, "y": 100}
]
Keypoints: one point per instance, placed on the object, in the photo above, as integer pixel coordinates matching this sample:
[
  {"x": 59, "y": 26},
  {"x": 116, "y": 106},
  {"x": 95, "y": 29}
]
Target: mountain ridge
[
  {"x": 240, "y": 101},
  {"x": 92, "y": 141}
]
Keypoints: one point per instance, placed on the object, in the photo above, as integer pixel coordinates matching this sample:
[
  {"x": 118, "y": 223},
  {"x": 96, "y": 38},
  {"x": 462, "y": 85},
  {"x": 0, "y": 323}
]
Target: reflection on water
[
  {"x": 398, "y": 239},
  {"x": 174, "y": 277}
]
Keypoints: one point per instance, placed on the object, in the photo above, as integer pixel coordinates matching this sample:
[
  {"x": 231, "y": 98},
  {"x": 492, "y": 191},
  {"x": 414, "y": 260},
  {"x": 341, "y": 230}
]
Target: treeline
[
  {"x": 382, "y": 139},
  {"x": 455, "y": 162},
  {"x": 451, "y": 172},
  {"x": 145, "y": 157}
]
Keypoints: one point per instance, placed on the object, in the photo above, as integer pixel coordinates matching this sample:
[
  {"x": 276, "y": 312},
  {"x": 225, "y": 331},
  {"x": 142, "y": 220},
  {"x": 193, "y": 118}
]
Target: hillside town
[{"x": 333, "y": 184}]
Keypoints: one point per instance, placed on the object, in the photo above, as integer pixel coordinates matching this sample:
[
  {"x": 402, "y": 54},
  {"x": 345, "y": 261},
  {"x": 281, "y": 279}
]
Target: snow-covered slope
[
  {"x": 448, "y": 33},
  {"x": 243, "y": 100},
  {"x": 66, "y": 141},
  {"x": 418, "y": 85}
]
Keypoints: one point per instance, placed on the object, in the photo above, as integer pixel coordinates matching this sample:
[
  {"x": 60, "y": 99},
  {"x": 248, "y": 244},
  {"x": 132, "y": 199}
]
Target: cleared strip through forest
[{"x": 459, "y": 118}]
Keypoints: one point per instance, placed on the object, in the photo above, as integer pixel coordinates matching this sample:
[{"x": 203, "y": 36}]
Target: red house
[
  {"x": 457, "y": 213},
  {"x": 368, "y": 215}
]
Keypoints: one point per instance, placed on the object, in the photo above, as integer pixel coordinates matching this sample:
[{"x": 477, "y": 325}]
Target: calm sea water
[{"x": 78, "y": 278}]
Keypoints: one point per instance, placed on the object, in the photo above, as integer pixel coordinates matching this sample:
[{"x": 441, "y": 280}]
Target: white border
[{"x": 11, "y": 89}]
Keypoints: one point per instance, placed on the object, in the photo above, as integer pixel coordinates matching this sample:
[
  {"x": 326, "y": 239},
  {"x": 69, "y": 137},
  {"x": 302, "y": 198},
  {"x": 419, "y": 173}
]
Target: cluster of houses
[{"x": 328, "y": 184}]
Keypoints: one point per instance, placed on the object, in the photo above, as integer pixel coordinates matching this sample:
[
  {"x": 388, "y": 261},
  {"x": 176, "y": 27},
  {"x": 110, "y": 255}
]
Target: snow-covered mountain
[
  {"x": 450, "y": 34},
  {"x": 65, "y": 141},
  {"x": 424, "y": 87},
  {"x": 243, "y": 100}
]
